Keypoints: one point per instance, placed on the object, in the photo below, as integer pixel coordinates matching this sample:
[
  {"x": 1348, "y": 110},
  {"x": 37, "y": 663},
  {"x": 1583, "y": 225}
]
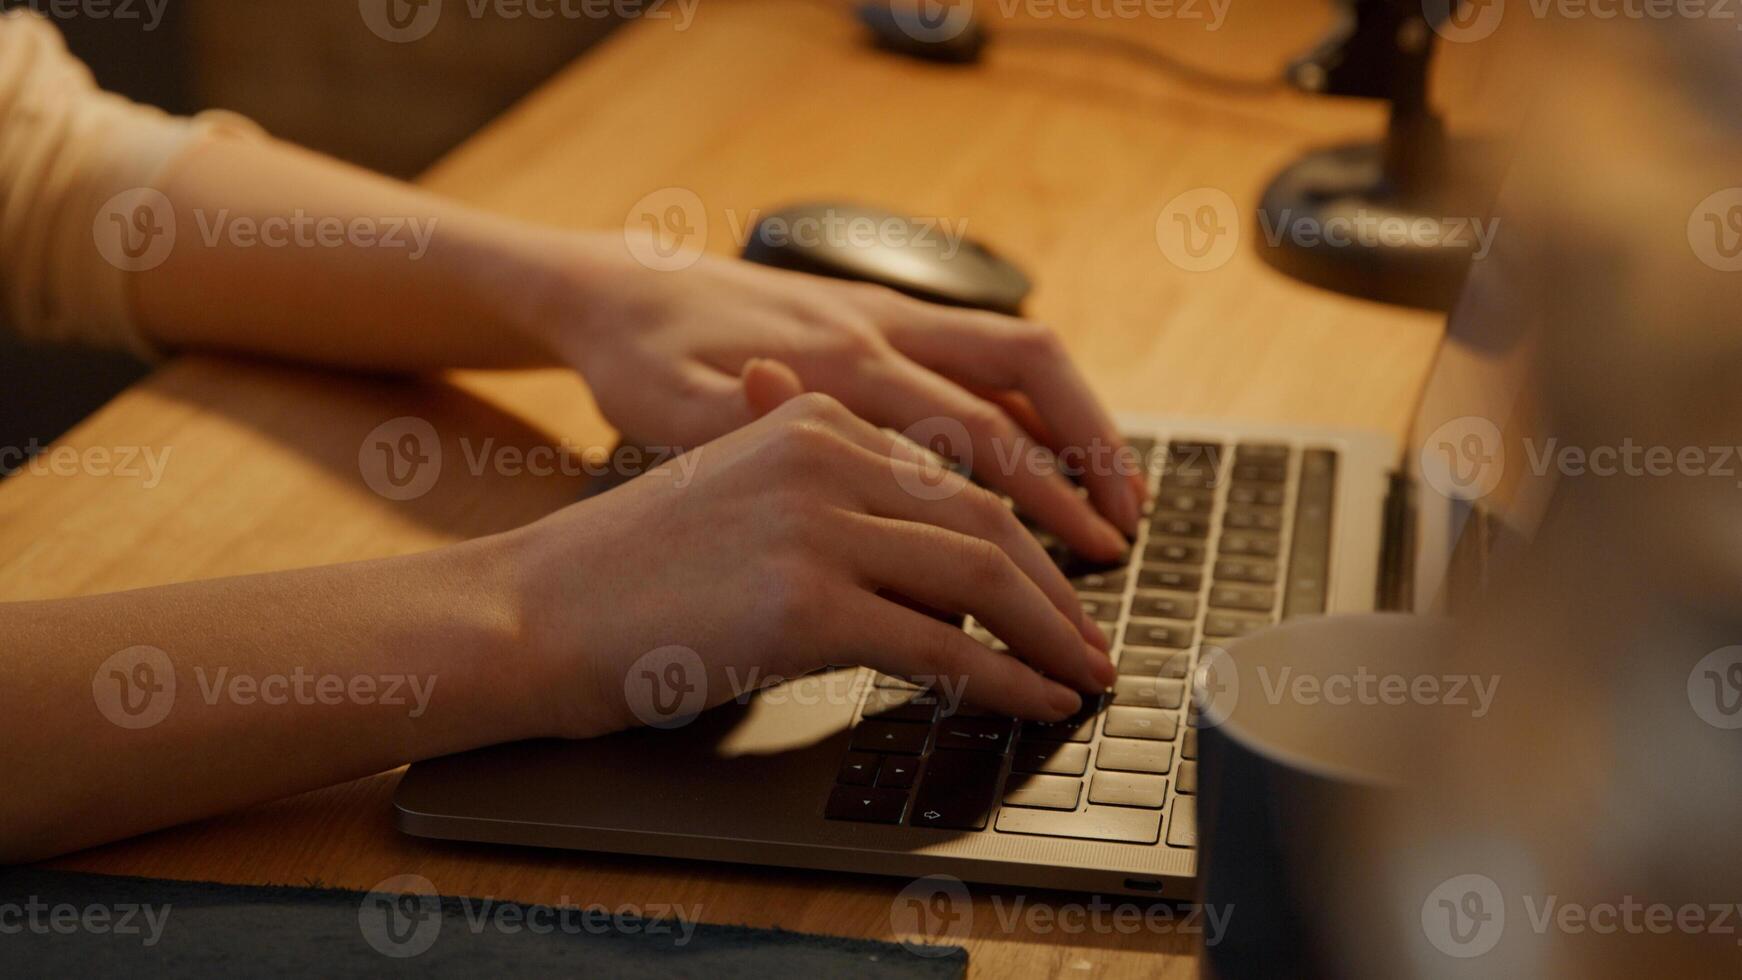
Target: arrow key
[{"x": 866, "y": 804}]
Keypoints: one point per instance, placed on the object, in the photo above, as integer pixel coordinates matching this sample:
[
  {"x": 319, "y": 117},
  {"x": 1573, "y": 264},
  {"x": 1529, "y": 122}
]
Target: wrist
[
  {"x": 556, "y": 636},
  {"x": 560, "y": 290}
]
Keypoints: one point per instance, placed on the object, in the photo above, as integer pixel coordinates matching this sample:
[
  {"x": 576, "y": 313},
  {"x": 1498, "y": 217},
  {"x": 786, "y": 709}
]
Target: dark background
[{"x": 308, "y": 71}]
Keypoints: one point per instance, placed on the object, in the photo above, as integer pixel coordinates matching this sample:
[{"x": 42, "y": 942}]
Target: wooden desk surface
[{"x": 1063, "y": 157}]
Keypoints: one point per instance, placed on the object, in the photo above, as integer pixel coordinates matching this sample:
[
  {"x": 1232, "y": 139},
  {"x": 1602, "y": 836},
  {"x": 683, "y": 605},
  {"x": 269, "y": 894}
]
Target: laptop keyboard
[{"x": 1238, "y": 537}]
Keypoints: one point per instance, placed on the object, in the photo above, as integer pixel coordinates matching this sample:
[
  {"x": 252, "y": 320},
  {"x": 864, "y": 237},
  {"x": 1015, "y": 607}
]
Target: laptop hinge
[{"x": 1397, "y": 547}]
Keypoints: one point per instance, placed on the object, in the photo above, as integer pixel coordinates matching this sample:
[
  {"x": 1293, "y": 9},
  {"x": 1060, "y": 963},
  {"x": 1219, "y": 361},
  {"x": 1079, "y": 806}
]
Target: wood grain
[{"x": 1059, "y": 154}]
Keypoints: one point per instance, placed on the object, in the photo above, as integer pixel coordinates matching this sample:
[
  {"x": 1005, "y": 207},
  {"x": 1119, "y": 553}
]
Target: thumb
[{"x": 768, "y": 385}]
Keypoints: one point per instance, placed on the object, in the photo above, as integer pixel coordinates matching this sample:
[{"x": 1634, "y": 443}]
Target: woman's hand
[
  {"x": 663, "y": 351},
  {"x": 776, "y": 550}
]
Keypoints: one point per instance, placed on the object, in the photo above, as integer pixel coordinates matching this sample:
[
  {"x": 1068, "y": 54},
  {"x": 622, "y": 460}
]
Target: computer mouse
[
  {"x": 935, "y": 30},
  {"x": 927, "y": 258}
]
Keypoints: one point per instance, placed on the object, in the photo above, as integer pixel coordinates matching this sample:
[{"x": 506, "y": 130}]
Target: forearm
[
  {"x": 283, "y": 252},
  {"x": 281, "y": 683}
]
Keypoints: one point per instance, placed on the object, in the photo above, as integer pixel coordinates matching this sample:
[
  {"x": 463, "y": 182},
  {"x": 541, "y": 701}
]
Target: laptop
[{"x": 848, "y": 770}]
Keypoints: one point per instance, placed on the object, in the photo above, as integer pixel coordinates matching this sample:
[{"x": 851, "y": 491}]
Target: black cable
[{"x": 1142, "y": 52}]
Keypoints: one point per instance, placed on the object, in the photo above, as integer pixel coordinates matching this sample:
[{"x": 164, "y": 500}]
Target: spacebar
[{"x": 1117, "y": 823}]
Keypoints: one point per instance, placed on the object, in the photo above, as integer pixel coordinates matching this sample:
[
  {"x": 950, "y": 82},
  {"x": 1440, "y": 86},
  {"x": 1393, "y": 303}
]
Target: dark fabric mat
[{"x": 64, "y": 924}]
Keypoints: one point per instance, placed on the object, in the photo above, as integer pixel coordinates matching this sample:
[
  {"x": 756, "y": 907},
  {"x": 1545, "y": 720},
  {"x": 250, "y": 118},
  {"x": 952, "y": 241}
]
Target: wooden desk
[{"x": 1062, "y": 157}]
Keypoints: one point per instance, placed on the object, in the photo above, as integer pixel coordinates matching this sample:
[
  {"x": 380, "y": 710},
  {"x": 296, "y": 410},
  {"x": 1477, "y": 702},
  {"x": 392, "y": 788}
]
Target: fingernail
[
  {"x": 1112, "y": 541},
  {"x": 1063, "y": 699}
]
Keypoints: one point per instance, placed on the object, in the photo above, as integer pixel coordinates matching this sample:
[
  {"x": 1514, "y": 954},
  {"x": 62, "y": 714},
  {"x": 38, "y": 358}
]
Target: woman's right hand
[{"x": 780, "y": 548}]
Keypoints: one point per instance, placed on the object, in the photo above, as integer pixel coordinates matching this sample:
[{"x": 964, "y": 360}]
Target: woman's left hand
[{"x": 663, "y": 353}]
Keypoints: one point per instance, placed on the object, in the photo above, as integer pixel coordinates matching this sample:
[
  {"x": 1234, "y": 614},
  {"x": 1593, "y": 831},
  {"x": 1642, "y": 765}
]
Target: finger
[
  {"x": 917, "y": 647},
  {"x": 1000, "y": 352},
  {"x": 903, "y": 395},
  {"x": 959, "y": 573},
  {"x": 767, "y": 385},
  {"x": 925, "y": 493},
  {"x": 900, "y": 479}
]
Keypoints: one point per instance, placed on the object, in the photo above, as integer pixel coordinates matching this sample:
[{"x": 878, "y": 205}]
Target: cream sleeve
[{"x": 67, "y": 150}]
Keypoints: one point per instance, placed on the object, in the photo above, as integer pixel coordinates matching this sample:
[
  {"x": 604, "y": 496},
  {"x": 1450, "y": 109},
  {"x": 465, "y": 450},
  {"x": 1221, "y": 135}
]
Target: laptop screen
[{"x": 1480, "y": 433}]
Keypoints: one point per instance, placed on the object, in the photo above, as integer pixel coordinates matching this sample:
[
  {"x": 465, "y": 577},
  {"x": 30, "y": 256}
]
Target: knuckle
[
  {"x": 817, "y": 405},
  {"x": 1037, "y": 340},
  {"x": 983, "y": 420},
  {"x": 799, "y": 444},
  {"x": 935, "y": 655},
  {"x": 986, "y": 564}
]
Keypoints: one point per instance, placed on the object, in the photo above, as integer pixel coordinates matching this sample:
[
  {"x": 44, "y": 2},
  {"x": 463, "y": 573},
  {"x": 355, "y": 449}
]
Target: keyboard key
[
  {"x": 1056, "y": 758},
  {"x": 957, "y": 791},
  {"x": 1128, "y": 789},
  {"x": 1189, "y": 746},
  {"x": 1252, "y": 544},
  {"x": 1177, "y": 635},
  {"x": 1261, "y": 452},
  {"x": 1164, "y": 605},
  {"x": 1260, "y": 472},
  {"x": 1191, "y": 478},
  {"x": 1125, "y": 721},
  {"x": 1148, "y": 692},
  {"x": 1139, "y": 662},
  {"x": 1256, "y": 493},
  {"x": 1101, "y": 607},
  {"x": 1309, "y": 558},
  {"x": 897, "y": 771},
  {"x": 1174, "y": 552},
  {"x": 858, "y": 769},
  {"x": 1187, "y": 780},
  {"x": 1099, "y": 580},
  {"x": 1182, "y": 826},
  {"x": 1162, "y": 577},
  {"x": 1226, "y": 625},
  {"x": 983, "y": 635},
  {"x": 1252, "y": 519},
  {"x": 1174, "y": 525},
  {"x": 885, "y": 704},
  {"x": 1133, "y": 755},
  {"x": 1185, "y": 501},
  {"x": 1108, "y": 823},
  {"x": 1195, "y": 451},
  {"x": 866, "y": 804},
  {"x": 1059, "y": 731},
  {"x": 1046, "y": 792},
  {"x": 974, "y": 734},
  {"x": 1251, "y": 570},
  {"x": 890, "y": 736},
  {"x": 1246, "y": 597}
]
